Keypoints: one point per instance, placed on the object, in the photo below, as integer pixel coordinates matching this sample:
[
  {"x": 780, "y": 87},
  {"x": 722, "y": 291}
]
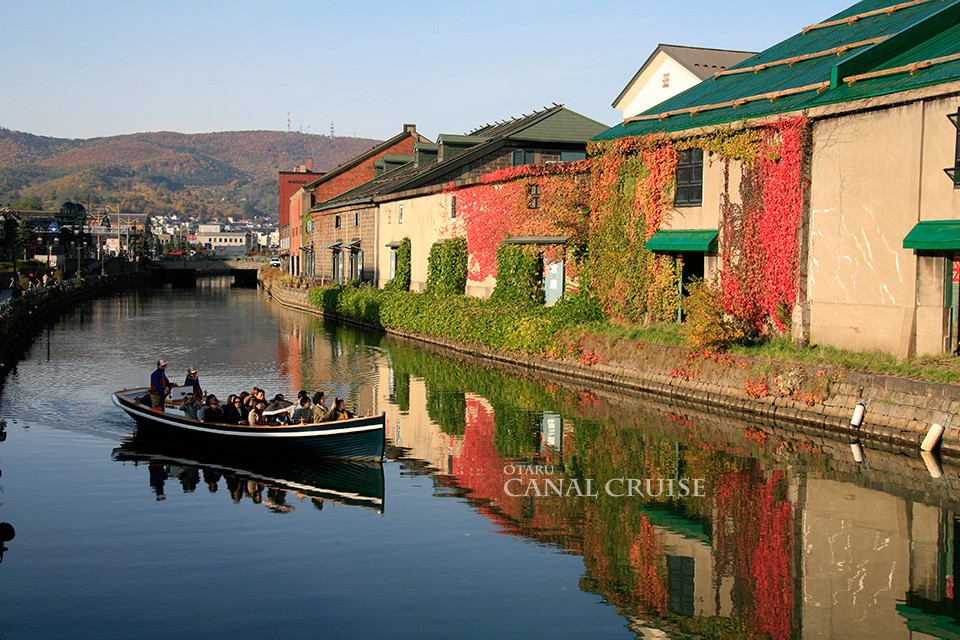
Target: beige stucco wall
[
  {"x": 863, "y": 201},
  {"x": 426, "y": 219},
  {"x": 874, "y": 175}
]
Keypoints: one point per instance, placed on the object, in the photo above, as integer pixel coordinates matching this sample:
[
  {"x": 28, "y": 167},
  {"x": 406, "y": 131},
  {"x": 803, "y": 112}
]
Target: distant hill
[{"x": 203, "y": 176}]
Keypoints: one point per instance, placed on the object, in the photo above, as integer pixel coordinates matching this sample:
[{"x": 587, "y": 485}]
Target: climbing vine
[
  {"x": 447, "y": 267},
  {"x": 401, "y": 278},
  {"x": 501, "y": 206},
  {"x": 519, "y": 275},
  {"x": 631, "y": 199}
]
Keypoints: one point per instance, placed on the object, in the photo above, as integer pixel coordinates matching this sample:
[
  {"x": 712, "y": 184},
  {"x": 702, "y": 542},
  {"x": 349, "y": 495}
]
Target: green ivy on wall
[
  {"x": 447, "y": 267},
  {"x": 401, "y": 278},
  {"x": 519, "y": 275}
]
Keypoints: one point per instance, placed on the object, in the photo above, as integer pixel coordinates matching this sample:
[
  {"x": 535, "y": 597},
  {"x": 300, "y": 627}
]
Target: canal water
[{"x": 507, "y": 507}]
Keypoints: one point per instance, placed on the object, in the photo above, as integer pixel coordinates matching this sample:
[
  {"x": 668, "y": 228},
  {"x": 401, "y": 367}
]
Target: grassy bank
[{"x": 574, "y": 329}]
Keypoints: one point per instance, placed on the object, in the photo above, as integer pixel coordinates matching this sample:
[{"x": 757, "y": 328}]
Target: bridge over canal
[{"x": 185, "y": 271}]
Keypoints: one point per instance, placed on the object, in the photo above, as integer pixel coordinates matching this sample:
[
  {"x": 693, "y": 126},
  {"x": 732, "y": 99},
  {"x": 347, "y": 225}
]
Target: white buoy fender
[
  {"x": 857, "y": 418},
  {"x": 933, "y": 437}
]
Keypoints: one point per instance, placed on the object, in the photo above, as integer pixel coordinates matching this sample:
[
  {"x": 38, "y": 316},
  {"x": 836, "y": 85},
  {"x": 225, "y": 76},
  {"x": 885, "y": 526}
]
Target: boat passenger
[
  {"x": 339, "y": 411},
  {"x": 255, "y": 417},
  {"x": 319, "y": 403},
  {"x": 231, "y": 409},
  {"x": 193, "y": 380},
  {"x": 213, "y": 413},
  {"x": 191, "y": 407},
  {"x": 159, "y": 386},
  {"x": 305, "y": 413}
]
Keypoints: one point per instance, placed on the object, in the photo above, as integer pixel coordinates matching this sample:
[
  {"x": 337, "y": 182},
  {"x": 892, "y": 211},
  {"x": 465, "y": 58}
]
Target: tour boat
[
  {"x": 360, "y": 438},
  {"x": 351, "y": 482}
]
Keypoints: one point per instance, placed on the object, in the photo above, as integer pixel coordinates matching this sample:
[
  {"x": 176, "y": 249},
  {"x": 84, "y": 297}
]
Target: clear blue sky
[{"x": 95, "y": 68}]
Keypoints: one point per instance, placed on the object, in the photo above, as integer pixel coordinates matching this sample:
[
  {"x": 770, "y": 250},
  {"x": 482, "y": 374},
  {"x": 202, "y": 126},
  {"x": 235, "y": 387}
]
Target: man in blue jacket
[{"x": 159, "y": 386}]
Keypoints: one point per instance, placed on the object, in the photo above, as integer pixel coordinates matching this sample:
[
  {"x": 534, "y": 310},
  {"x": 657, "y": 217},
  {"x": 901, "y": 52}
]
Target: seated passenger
[
  {"x": 319, "y": 404},
  {"x": 305, "y": 413},
  {"x": 339, "y": 411},
  {"x": 231, "y": 409},
  {"x": 191, "y": 407},
  {"x": 255, "y": 417},
  {"x": 213, "y": 413}
]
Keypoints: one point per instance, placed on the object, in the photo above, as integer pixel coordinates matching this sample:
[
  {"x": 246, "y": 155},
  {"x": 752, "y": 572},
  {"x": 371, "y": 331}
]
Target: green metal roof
[
  {"x": 681, "y": 240},
  {"x": 934, "y": 235},
  {"x": 912, "y": 33}
]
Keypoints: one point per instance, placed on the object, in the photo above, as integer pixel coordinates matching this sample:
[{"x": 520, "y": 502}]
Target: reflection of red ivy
[
  {"x": 753, "y": 542},
  {"x": 646, "y": 558}
]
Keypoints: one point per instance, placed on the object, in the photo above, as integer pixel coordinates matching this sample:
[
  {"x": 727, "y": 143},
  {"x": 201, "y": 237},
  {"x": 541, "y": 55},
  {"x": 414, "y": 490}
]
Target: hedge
[{"x": 490, "y": 323}]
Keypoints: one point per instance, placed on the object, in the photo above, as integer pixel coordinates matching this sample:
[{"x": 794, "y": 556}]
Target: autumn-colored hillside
[{"x": 204, "y": 176}]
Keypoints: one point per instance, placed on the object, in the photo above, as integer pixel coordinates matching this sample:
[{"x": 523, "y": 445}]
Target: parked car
[{"x": 274, "y": 261}]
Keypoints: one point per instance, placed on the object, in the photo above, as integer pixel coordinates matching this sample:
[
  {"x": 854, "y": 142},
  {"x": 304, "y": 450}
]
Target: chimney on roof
[
  {"x": 309, "y": 164},
  {"x": 410, "y": 128}
]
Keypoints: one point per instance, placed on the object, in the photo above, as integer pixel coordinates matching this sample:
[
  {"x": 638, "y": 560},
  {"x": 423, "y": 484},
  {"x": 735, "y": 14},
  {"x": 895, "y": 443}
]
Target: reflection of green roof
[
  {"x": 934, "y": 235},
  {"x": 904, "y": 45},
  {"x": 677, "y": 524},
  {"x": 930, "y": 624}
]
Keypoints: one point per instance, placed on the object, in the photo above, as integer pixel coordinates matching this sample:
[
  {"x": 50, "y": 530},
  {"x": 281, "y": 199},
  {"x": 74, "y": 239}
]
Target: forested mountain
[{"x": 203, "y": 176}]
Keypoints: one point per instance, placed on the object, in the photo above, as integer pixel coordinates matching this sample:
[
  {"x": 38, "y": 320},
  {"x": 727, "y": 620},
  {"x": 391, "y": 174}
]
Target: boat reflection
[{"x": 263, "y": 479}]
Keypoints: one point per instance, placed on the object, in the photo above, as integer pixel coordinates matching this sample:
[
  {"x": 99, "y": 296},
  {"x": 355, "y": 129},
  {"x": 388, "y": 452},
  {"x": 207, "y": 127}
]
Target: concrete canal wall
[{"x": 899, "y": 411}]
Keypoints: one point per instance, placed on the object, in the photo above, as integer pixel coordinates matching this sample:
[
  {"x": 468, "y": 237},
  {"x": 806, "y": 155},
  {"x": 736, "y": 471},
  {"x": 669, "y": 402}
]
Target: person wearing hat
[
  {"x": 159, "y": 386},
  {"x": 193, "y": 380},
  {"x": 192, "y": 407}
]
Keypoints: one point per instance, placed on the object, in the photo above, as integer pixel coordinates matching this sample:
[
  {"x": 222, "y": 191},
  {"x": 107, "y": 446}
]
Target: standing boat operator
[{"x": 159, "y": 386}]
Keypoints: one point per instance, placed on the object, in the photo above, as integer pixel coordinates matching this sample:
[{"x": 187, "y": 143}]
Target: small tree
[{"x": 24, "y": 237}]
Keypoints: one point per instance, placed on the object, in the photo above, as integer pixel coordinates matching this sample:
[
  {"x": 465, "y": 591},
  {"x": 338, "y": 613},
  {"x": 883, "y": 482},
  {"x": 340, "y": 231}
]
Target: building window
[
  {"x": 689, "y": 178},
  {"x": 453, "y": 206},
  {"x": 336, "y": 222},
  {"x": 400, "y": 215},
  {"x": 356, "y": 219},
  {"x": 954, "y": 171},
  {"x": 522, "y": 157},
  {"x": 533, "y": 196}
]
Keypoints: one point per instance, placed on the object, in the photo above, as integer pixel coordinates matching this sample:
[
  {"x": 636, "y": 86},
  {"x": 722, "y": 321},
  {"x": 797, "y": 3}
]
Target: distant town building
[{"x": 230, "y": 243}]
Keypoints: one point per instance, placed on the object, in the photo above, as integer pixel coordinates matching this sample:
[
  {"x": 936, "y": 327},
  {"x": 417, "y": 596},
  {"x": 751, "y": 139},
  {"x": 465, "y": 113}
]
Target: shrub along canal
[{"x": 506, "y": 507}]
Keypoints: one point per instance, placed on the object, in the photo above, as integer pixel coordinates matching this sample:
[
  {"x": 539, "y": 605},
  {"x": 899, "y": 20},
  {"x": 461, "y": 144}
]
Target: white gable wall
[{"x": 648, "y": 90}]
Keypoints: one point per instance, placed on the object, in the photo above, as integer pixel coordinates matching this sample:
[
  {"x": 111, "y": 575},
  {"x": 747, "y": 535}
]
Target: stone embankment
[
  {"x": 899, "y": 411},
  {"x": 20, "y": 318}
]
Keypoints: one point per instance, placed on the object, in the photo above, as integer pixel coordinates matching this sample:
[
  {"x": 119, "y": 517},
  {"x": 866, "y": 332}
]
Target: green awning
[
  {"x": 934, "y": 235},
  {"x": 681, "y": 240}
]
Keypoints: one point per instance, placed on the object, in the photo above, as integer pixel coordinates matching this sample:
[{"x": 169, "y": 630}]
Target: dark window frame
[
  {"x": 689, "y": 192},
  {"x": 533, "y": 195}
]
